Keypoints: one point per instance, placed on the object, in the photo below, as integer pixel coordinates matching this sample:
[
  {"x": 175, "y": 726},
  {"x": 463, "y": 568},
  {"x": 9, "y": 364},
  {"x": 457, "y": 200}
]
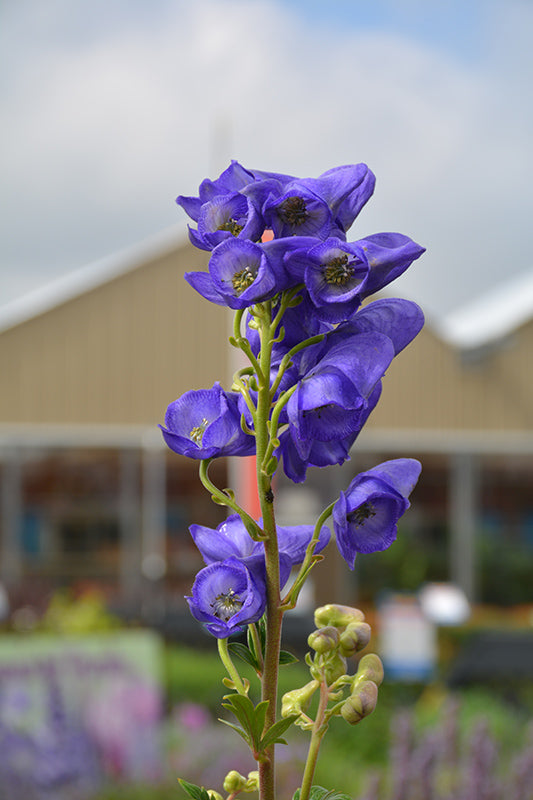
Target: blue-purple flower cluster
[{"x": 328, "y": 355}]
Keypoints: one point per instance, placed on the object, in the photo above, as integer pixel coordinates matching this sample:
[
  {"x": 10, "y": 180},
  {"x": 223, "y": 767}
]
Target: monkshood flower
[
  {"x": 322, "y": 454},
  {"x": 206, "y": 423},
  {"x": 231, "y": 538},
  {"x": 332, "y": 399},
  {"x": 334, "y": 273},
  {"x": 233, "y": 179},
  {"x": 226, "y": 216},
  {"x": 226, "y": 596},
  {"x": 322, "y": 207},
  {"x": 242, "y": 273},
  {"x": 365, "y": 517}
]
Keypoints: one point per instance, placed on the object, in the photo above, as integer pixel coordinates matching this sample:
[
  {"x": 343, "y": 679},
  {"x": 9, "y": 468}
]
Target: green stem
[
  {"x": 308, "y": 562},
  {"x": 273, "y": 612},
  {"x": 226, "y": 499},
  {"x": 319, "y": 729},
  {"x": 230, "y": 666}
]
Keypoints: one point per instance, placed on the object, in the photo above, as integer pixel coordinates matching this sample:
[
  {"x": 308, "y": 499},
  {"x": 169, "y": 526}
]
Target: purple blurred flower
[
  {"x": 206, "y": 424},
  {"x": 365, "y": 516}
]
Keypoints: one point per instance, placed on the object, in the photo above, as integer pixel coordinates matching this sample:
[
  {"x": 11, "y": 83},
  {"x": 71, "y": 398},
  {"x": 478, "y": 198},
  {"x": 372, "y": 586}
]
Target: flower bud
[
  {"x": 360, "y": 705},
  {"x": 324, "y": 639},
  {"x": 334, "y": 667},
  {"x": 214, "y": 795},
  {"x": 355, "y": 638},
  {"x": 297, "y": 700},
  {"x": 234, "y": 782},
  {"x": 370, "y": 669},
  {"x": 337, "y": 615},
  {"x": 252, "y": 784}
]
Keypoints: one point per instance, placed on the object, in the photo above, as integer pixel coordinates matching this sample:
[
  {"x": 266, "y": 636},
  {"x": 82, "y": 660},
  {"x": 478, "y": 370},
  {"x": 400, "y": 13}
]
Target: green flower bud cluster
[
  {"x": 341, "y": 633},
  {"x": 234, "y": 782}
]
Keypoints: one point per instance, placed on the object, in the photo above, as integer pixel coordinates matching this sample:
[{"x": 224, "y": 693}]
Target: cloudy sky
[{"x": 111, "y": 108}]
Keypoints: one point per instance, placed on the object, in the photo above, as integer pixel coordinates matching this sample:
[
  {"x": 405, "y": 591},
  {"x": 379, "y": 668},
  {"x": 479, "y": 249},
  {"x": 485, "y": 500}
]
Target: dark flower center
[
  {"x": 243, "y": 279},
  {"x": 293, "y": 211},
  {"x": 226, "y": 604},
  {"x": 339, "y": 270},
  {"x": 232, "y": 226},
  {"x": 198, "y": 431},
  {"x": 361, "y": 514}
]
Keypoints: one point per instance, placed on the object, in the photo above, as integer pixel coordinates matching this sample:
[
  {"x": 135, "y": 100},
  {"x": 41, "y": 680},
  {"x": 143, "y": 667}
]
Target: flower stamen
[
  {"x": 232, "y": 226},
  {"x": 360, "y": 515},
  {"x": 339, "y": 270},
  {"x": 198, "y": 431},
  {"x": 293, "y": 211},
  {"x": 226, "y": 604},
  {"x": 243, "y": 279}
]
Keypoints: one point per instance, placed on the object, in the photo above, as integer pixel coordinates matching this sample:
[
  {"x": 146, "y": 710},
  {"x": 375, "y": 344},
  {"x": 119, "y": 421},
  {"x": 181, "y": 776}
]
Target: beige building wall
[
  {"x": 431, "y": 385},
  {"x": 118, "y": 353}
]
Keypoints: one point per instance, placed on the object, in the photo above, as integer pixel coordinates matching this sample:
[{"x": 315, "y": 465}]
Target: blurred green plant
[{"x": 72, "y": 613}]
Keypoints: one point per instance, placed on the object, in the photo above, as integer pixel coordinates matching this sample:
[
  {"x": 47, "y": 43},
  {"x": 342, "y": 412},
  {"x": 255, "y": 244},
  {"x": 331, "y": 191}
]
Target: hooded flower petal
[{"x": 365, "y": 517}]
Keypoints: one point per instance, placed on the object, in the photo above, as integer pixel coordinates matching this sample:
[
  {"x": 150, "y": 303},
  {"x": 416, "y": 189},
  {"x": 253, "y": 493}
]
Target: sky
[{"x": 110, "y": 109}]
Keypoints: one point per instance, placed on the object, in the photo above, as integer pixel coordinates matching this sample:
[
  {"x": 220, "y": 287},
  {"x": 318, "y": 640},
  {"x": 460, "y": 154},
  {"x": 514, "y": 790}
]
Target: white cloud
[{"x": 100, "y": 136}]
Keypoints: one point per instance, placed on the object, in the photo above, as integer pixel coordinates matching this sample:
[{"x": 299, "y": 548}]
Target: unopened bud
[
  {"x": 334, "y": 668},
  {"x": 252, "y": 783},
  {"x": 214, "y": 795},
  {"x": 370, "y": 669},
  {"x": 297, "y": 700},
  {"x": 337, "y": 615},
  {"x": 234, "y": 782},
  {"x": 324, "y": 639},
  {"x": 360, "y": 705},
  {"x": 355, "y": 638}
]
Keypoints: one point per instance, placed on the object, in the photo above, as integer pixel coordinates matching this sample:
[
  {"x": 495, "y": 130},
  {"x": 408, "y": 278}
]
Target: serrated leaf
[
  {"x": 244, "y": 653},
  {"x": 194, "y": 791},
  {"x": 273, "y": 734},
  {"x": 287, "y": 658}
]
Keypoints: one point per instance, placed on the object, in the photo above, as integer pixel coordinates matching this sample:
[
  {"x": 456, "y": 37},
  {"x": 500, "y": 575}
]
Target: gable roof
[
  {"x": 77, "y": 282},
  {"x": 491, "y": 317}
]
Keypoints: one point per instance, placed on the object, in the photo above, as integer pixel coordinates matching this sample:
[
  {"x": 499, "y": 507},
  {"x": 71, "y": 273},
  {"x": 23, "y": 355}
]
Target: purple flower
[
  {"x": 389, "y": 255},
  {"x": 322, "y": 454},
  {"x": 365, "y": 517},
  {"x": 223, "y": 217},
  {"x": 233, "y": 179},
  {"x": 332, "y": 399},
  {"x": 231, "y": 539},
  {"x": 227, "y": 596},
  {"x": 322, "y": 207},
  {"x": 206, "y": 424},
  {"x": 334, "y": 273},
  {"x": 242, "y": 273}
]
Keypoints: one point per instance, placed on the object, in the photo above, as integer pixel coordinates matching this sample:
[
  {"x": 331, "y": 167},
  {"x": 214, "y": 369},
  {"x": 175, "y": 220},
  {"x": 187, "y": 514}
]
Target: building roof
[
  {"x": 491, "y": 317},
  {"x": 77, "y": 282}
]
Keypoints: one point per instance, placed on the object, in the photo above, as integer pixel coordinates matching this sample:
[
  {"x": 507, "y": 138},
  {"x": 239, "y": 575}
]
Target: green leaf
[
  {"x": 273, "y": 734},
  {"x": 238, "y": 730},
  {"x": 252, "y": 718},
  {"x": 287, "y": 658},
  {"x": 194, "y": 791},
  {"x": 244, "y": 653}
]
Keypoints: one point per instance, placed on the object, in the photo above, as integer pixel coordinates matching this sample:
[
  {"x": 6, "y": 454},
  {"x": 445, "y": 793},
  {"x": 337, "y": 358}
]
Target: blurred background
[{"x": 111, "y": 109}]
